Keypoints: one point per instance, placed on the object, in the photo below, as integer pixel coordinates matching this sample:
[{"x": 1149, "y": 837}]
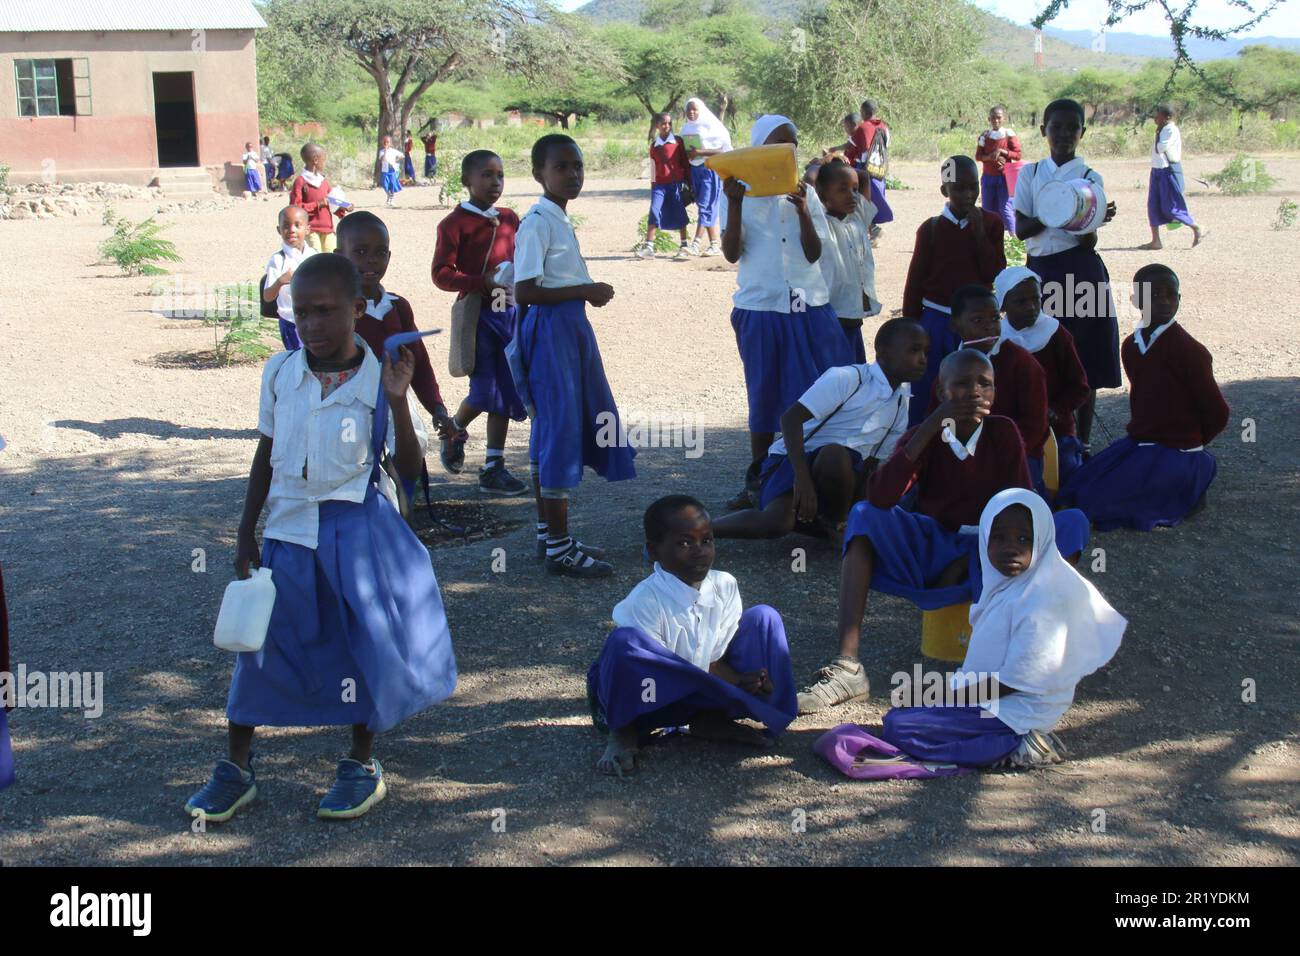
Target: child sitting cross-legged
[{"x": 685, "y": 652}]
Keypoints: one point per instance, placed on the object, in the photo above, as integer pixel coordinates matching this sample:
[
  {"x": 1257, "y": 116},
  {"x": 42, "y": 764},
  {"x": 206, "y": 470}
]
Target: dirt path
[{"x": 118, "y": 468}]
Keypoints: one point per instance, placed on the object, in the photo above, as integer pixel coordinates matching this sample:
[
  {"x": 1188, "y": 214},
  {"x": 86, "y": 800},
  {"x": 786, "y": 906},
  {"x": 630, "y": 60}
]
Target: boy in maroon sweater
[
  {"x": 1159, "y": 473},
  {"x": 1020, "y": 298},
  {"x": 311, "y": 191},
  {"x": 363, "y": 238},
  {"x": 958, "y": 458},
  {"x": 961, "y": 246},
  {"x": 1022, "y": 385}
]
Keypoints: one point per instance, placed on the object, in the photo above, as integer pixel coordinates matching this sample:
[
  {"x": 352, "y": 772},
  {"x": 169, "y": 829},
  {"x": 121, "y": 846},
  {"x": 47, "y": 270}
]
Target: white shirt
[
  {"x": 695, "y": 625},
  {"x": 773, "y": 267},
  {"x": 390, "y": 158},
  {"x": 546, "y": 248},
  {"x": 1168, "y": 147},
  {"x": 268, "y": 154},
  {"x": 288, "y": 257},
  {"x": 1032, "y": 178},
  {"x": 847, "y": 265},
  {"x": 250, "y": 160},
  {"x": 871, "y": 420},
  {"x": 329, "y": 438},
  {"x": 381, "y": 308}
]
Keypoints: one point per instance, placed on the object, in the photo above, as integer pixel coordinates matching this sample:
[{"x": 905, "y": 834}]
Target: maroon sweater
[
  {"x": 463, "y": 238},
  {"x": 400, "y": 318},
  {"x": 315, "y": 199},
  {"x": 947, "y": 257},
  {"x": 1020, "y": 394},
  {"x": 670, "y": 162},
  {"x": 951, "y": 491},
  {"x": 1173, "y": 398},
  {"x": 1067, "y": 382}
]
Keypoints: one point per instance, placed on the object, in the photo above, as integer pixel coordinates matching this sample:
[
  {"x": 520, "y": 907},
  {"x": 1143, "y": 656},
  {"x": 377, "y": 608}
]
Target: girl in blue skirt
[
  {"x": 707, "y": 185},
  {"x": 685, "y": 652},
  {"x": 1076, "y": 285},
  {"x": 1165, "y": 202},
  {"x": 786, "y": 330},
  {"x": 556, "y": 363},
  {"x": 1037, "y": 629},
  {"x": 357, "y": 635},
  {"x": 390, "y": 169}
]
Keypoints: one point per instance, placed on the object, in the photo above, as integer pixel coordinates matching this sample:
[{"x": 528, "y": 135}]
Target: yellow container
[
  {"x": 1051, "y": 464},
  {"x": 946, "y": 632},
  {"x": 767, "y": 170}
]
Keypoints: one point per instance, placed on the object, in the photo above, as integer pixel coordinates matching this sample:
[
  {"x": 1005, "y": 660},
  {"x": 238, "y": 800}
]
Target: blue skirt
[
  {"x": 883, "y": 212},
  {"x": 995, "y": 197},
  {"x": 966, "y": 736},
  {"x": 1165, "y": 202},
  {"x": 1069, "y": 456},
  {"x": 708, "y": 194},
  {"x": 666, "y": 208},
  {"x": 912, "y": 550},
  {"x": 783, "y": 353},
  {"x": 617, "y": 689},
  {"x": 853, "y": 330},
  {"x": 430, "y": 165},
  {"x": 943, "y": 342},
  {"x": 1086, "y": 308},
  {"x": 251, "y": 181},
  {"x": 491, "y": 386},
  {"x": 576, "y": 414},
  {"x": 1139, "y": 486},
  {"x": 289, "y": 335},
  {"x": 357, "y": 635},
  {"x": 6, "y": 752},
  {"x": 408, "y": 166},
  {"x": 389, "y": 181},
  {"x": 777, "y": 475}
]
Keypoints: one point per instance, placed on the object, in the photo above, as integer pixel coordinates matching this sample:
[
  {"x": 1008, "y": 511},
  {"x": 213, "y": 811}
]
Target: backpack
[{"x": 878, "y": 154}]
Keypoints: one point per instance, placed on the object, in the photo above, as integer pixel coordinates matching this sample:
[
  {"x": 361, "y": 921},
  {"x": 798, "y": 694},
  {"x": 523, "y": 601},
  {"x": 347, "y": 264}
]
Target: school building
[{"x": 126, "y": 90}]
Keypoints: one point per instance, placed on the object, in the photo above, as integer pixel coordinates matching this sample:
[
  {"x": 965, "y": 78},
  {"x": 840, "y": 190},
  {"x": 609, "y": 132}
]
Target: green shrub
[
  {"x": 1286, "y": 215},
  {"x": 138, "y": 247},
  {"x": 1242, "y": 176},
  {"x": 238, "y": 327},
  {"x": 1014, "y": 249},
  {"x": 666, "y": 240},
  {"x": 5, "y": 188}
]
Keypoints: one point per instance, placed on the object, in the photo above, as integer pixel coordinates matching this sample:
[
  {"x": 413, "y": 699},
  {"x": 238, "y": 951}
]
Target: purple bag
[{"x": 857, "y": 754}]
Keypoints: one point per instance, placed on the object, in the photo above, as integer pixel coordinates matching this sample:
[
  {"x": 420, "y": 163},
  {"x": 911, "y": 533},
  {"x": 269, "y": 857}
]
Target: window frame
[{"x": 37, "y": 88}]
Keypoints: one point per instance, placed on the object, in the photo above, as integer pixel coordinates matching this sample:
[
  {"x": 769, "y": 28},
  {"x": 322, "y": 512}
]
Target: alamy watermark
[
  {"x": 633, "y": 429},
  {"x": 919, "y": 688},
  {"x": 71, "y": 690}
]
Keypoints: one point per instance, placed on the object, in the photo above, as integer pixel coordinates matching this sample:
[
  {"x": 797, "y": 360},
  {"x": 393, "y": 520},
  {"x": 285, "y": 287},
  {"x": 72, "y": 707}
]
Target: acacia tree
[
  {"x": 406, "y": 46},
  {"x": 1182, "y": 25}
]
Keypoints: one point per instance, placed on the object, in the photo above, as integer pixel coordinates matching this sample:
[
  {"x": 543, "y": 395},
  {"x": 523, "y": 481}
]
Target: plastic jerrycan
[
  {"x": 767, "y": 170},
  {"x": 246, "y": 612}
]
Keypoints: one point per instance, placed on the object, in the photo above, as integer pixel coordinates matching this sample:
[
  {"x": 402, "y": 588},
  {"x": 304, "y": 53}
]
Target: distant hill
[
  {"x": 1138, "y": 44},
  {"x": 1005, "y": 40}
]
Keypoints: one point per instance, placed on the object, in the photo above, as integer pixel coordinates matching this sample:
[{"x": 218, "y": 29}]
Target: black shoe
[
  {"x": 577, "y": 563},
  {"x": 452, "y": 453},
  {"x": 495, "y": 480},
  {"x": 589, "y": 549}
]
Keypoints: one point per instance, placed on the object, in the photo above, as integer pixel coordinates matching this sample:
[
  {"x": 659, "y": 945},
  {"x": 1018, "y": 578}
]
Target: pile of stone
[
  {"x": 48, "y": 200},
  {"x": 215, "y": 204}
]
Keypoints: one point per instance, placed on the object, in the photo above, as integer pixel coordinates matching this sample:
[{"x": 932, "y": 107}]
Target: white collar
[
  {"x": 962, "y": 451},
  {"x": 685, "y": 596},
  {"x": 489, "y": 213},
  {"x": 381, "y": 308},
  {"x": 1002, "y": 337},
  {"x": 1034, "y": 338},
  {"x": 948, "y": 214},
  {"x": 364, "y": 386},
  {"x": 660, "y": 141},
  {"x": 548, "y": 208},
  {"x": 291, "y": 254},
  {"x": 313, "y": 179},
  {"x": 1054, "y": 170},
  {"x": 1145, "y": 347}
]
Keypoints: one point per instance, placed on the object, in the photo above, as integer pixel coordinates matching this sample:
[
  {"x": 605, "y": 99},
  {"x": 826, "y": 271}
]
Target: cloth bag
[
  {"x": 860, "y": 755},
  {"x": 464, "y": 324}
]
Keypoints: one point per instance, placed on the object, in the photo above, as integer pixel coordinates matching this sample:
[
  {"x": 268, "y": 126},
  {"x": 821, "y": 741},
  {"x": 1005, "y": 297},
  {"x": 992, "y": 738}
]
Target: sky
[{"x": 1090, "y": 14}]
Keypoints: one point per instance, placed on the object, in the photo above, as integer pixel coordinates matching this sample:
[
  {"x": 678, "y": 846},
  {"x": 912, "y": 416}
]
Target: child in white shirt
[
  {"x": 847, "y": 264},
  {"x": 390, "y": 169},
  {"x": 251, "y": 161},
  {"x": 293, "y": 228}
]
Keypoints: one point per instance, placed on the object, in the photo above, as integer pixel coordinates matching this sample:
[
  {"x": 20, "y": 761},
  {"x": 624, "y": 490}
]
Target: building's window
[{"x": 53, "y": 87}]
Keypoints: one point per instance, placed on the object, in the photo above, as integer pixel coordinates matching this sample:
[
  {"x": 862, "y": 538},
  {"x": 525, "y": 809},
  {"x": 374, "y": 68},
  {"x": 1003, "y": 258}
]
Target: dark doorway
[{"x": 173, "y": 110}]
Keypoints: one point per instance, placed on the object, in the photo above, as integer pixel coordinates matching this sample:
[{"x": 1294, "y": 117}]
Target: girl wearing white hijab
[
  {"x": 1037, "y": 630},
  {"x": 1019, "y": 297},
  {"x": 714, "y": 139},
  {"x": 786, "y": 329}
]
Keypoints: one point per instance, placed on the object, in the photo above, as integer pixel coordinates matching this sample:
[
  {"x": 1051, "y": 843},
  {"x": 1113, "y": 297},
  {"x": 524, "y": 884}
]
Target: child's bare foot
[
  {"x": 1151, "y": 246},
  {"x": 715, "y": 726},
  {"x": 1198, "y": 234},
  {"x": 619, "y": 758}
]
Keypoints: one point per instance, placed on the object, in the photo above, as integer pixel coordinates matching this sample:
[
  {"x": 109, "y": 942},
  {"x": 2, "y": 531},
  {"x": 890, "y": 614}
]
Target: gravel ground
[{"x": 122, "y": 460}]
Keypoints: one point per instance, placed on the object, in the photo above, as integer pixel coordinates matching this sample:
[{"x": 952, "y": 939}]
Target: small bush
[
  {"x": 138, "y": 247},
  {"x": 1014, "y": 249},
  {"x": 1242, "y": 176},
  {"x": 1287, "y": 212},
  {"x": 238, "y": 327},
  {"x": 5, "y": 188},
  {"x": 892, "y": 183},
  {"x": 666, "y": 240}
]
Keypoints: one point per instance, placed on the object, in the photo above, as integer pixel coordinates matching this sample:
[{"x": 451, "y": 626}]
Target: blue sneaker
[
  {"x": 354, "y": 792},
  {"x": 229, "y": 789}
]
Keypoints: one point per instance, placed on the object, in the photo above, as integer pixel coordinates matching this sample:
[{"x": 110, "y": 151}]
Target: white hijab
[
  {"x": 1047, "y": 628},
  {"x": 1037, "y": 335},
  {"x": 765, "y": 125},
  {"x": 711, "y": 130}
]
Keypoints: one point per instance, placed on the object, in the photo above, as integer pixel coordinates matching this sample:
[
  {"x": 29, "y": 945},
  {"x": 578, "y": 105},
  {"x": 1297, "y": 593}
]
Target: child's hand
[
  {"x": 733, "y": 189},
  {"x": 799, "y": 199},
  {"x": 755, "y": 682},
  {"x": 396, "y": 376},
  {"x": 286, "y": 276},
  {"x": 246, "y": 553},
  {"x": 963, "y": 409},
  {"x": 1111, "y": 209},
  {"x": 599, "y": 293},
  {"x": 447, "y": 428},
  {"x": 805, "y": 498}
]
